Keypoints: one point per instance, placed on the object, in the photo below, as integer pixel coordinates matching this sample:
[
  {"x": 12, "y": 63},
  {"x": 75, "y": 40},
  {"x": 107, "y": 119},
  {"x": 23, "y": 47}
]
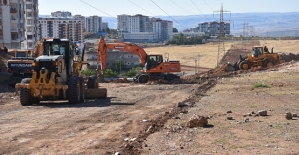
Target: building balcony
[
  {"x": 29, "y": 32},
  {"x": 31, "y": 40},
  {"x": 29, "y": 9},
  {"x": 14, "y": 29},
  {"x": 13, "y": 20},
  {"x": 13, "y": 10},
  {"x": 29, "y": 17}
]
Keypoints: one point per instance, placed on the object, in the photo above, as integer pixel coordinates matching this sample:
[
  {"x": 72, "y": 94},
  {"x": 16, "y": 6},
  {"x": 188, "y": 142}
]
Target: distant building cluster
[
  {"x": 62, "y": 25},
  {"x": 139, "y": 28},
  {"x": 211, "y": 28}
]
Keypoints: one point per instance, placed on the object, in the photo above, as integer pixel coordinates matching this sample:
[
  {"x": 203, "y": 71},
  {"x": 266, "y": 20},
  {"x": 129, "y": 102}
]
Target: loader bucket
[{"x": 230, "y": 68}]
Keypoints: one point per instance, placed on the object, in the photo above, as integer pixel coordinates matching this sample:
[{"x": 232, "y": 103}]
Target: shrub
[
  {"x": 88, "y": 72},
  {"x": 257, "y": 85}
]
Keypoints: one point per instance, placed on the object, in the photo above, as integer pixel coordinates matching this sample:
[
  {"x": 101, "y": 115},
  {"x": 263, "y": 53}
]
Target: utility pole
[
  {"x": 245, "y": 28},
  {"x": 221, "y": 33}
]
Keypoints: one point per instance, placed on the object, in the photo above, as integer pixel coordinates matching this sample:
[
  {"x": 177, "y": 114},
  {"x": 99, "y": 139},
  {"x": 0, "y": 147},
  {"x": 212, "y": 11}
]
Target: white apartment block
[
  {"x": 93, "y": 24},
  {"x": 62, "y": 27},
  {"x": 12, "y": 23},
  {"x": 31, "y": 15},
  {"x": 134, "y": 26},
  {"x": 213, "y": 28}
]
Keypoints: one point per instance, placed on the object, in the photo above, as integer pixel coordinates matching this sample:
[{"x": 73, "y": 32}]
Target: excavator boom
[{"x": 103, "y": 46}]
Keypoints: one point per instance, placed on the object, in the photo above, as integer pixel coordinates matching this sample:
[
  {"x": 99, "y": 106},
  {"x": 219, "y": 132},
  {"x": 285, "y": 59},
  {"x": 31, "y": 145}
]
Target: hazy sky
[{"x": 171, "y": 7}]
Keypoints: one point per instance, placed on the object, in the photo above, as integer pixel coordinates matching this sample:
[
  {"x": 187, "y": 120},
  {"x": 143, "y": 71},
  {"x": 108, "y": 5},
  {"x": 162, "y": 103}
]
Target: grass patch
[{"x": 261, "y": 85}]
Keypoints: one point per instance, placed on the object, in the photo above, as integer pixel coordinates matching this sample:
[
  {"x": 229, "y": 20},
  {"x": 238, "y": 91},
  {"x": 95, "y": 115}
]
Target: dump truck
[
  {"x": 260, "y": 57},
  {"x": 57, "y": 76}
]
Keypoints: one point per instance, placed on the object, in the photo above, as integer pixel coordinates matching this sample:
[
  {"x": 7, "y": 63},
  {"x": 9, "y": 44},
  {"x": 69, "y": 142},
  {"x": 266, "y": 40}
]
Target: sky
[{"x": 112, "y": 8}]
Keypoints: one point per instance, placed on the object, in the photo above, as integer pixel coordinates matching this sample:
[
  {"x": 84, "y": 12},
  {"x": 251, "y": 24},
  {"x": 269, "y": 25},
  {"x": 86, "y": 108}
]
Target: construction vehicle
[
  {"x": 56, "y": 75},
  {"x": 260, "y": 57},
  {"x": 154, "y": 66},
  {"x": 21, "y": 63}
]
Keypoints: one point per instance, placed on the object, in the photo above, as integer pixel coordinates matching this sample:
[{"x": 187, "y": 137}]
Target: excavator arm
[{"x": 103, "y": 46}]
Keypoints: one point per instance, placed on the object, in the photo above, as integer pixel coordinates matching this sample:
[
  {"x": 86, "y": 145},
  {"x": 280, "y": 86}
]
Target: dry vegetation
[
  {"x": 290, "y": 46},
  {"x": 186, "y": 54}
]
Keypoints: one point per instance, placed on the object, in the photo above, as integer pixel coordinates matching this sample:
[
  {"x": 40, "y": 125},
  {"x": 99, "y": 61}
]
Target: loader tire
[
  {"x": 82, "y": 93},
  {"x": 244, "y": 65},
  {"x": 269, "y": 63},
  {"x": 92, "y": 82},
  {"x": 25, "y": 98},
  {"x": 74, "y": 90}
]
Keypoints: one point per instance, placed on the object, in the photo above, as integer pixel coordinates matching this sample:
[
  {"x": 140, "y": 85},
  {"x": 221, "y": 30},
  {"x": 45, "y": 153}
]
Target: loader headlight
[
  {"x": 35, "y": 64},
  {"x": 55, "y": 63}
]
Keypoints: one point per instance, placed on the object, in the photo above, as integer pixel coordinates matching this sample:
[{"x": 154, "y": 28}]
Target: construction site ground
[{"x": 152, "y": 118}]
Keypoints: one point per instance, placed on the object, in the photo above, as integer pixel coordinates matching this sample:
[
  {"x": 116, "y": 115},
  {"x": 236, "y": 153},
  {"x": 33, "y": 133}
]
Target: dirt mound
[
  {"x": 124, "y": 80},
  {"x": 287, "y": 57}
]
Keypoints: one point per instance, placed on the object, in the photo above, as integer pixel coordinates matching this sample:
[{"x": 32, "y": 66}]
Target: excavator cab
[{"x": 152, "y": 61}]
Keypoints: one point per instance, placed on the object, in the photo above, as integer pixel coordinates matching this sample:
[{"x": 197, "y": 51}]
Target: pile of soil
[{"x": 287, "y": 57}]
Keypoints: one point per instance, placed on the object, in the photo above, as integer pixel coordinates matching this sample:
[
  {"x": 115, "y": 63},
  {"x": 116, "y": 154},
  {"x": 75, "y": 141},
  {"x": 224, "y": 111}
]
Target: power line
[
  {"x": 97, "y": 9},
  {"x": 199, "y": 10},
  {"x": 208, "y": 5},
  {"x": 168, "y": 15},
  {"x": 141, "y": 8},
  {"x": 181, "y": 7}
]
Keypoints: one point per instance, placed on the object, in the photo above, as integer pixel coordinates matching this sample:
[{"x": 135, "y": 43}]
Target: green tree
[
  {"x": 175, "y": 30},
  {"x": 118, "y": 66}
]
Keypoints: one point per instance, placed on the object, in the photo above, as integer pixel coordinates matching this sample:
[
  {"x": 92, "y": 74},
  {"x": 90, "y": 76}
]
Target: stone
[
  {"x": 183, "y": 104},
  {"x": 295, "y": 115},
  {"x": 229, "y": 111},
  {"x": 249, "y": 114},
  {"x": 244, "y": 115},
  {"x": 197, "y": 121},
  {"x": 116, "y": 153},
  {"x": 288, "y": 115},
  {"x": 262, "y": 113},
  {"x": 229, "y": 118},
  {"x": 246, "y": 119}
]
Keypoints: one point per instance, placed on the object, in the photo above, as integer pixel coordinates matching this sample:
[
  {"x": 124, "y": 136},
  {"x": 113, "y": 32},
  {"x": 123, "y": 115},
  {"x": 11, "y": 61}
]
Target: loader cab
[
  {"x": 257, "y": 51},
  {"x": 57, "y": 57},
  {"x": 153, "y": 61}
]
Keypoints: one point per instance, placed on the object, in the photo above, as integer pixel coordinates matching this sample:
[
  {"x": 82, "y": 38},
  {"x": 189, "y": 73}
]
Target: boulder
[{"x": 197, "y": 121}]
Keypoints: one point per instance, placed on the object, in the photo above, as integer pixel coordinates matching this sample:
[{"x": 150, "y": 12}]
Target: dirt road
[{"x": 93, "y": 127}]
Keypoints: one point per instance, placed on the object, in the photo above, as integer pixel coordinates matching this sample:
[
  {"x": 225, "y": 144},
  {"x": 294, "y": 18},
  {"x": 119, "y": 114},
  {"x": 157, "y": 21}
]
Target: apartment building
[
  {"x": 139, "y": 28},
  {"x": 104, "y": 25},
  {"x": 12, "y": 23},
  {"x": 61, "y": 14},
  {"x": 31, "y": 24},
  {"x": 70, "y": 27},
  {"x": 93, "y": 24},
  {"x": 213, "y": 28}
]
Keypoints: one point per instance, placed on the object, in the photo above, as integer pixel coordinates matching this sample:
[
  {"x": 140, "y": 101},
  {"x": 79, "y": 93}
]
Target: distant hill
[{"x": 261, "y": 24}]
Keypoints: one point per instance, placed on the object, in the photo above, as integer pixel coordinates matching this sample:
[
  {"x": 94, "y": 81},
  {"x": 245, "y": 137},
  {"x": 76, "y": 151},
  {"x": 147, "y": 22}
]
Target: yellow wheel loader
[
  {"x": 260, "y": 57},
  {"x": 56, "y": 75}
]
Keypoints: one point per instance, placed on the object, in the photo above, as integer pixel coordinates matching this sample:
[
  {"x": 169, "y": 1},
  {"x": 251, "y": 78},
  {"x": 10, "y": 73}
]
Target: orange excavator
[{"x": 154, "y": 65}]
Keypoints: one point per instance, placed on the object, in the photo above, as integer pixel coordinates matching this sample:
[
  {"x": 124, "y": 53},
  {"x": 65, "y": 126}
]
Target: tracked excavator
[
  {"x": 56, "y": 76},
  {"x": 154, "y": 65}
]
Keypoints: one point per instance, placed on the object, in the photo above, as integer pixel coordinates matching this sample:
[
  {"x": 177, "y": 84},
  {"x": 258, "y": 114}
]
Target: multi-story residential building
[
  {"x": 139, "y": 28},
  {"x": 104, "y": 25},
  {"x": 31, "y": 15},
  {"x": 12, "y": 23},
  {"x": 62, "y": 27},
  {"x": 61, "y": 14},
  {"x": 213, "y": 28},
  {"x": 93, "y": 24}
]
